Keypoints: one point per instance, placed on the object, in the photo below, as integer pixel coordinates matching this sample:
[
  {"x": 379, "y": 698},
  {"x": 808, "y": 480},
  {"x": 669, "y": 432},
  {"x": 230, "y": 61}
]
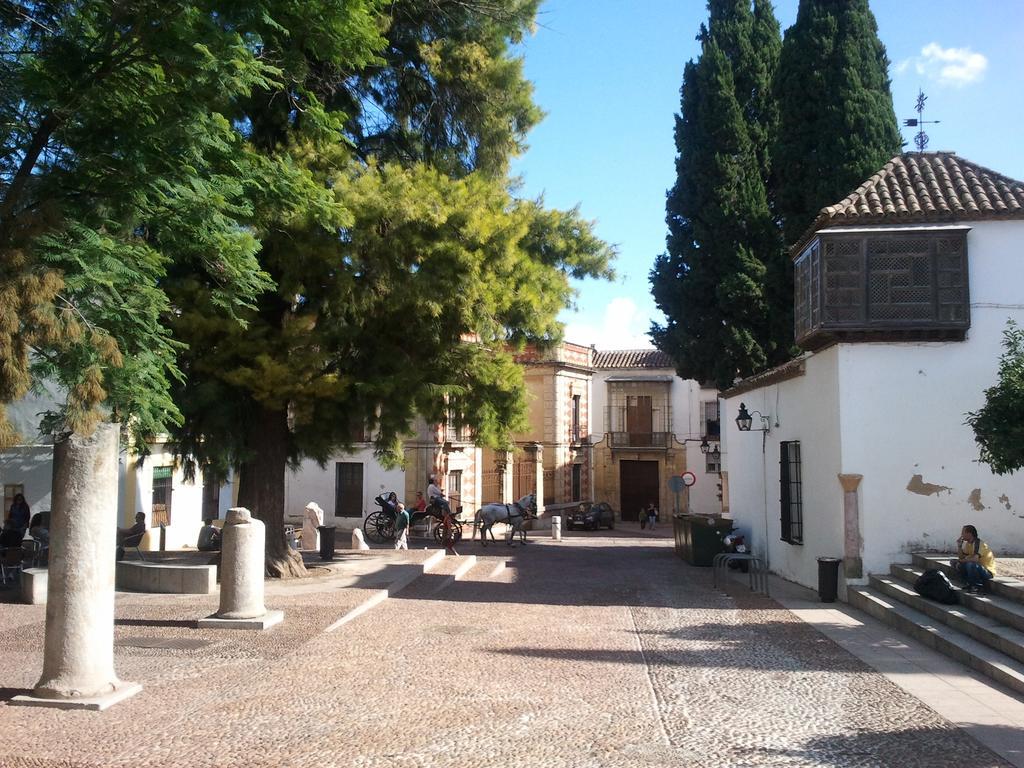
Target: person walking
[
  {"x": 402, "y": 527},
  {"x": 652, "y": 515}
]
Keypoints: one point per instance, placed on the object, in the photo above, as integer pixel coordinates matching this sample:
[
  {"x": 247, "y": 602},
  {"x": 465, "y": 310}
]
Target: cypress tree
[
  {"x": 837, "y": 124},
  {"x": 710, "y": 283}
]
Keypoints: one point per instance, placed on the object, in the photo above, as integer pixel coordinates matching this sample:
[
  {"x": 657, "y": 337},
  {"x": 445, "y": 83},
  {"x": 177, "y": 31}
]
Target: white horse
[{"x": 513, "y": 515}]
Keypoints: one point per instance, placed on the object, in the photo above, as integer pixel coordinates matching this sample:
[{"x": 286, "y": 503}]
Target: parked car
[{"x": 590, "y": 517}]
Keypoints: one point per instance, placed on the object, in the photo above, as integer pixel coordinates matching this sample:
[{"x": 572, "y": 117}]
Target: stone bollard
[
  {"x": 556, "y": 527},
  {"x": 312, "y": 518},
  {"x": 358, "y": 542},
  {"x": 78, "y": 650},
  {"x": 241, "y": 575}
]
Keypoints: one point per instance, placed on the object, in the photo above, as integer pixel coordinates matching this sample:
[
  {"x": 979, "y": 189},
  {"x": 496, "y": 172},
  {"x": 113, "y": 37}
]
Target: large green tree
[
  {"x": 710, "y": 283},
  {"x": 117, "y": 158},
  {"x": 837, "y": 125},
  {"x": 997, "y": 426},
  {"x": 403, "y": 269}
]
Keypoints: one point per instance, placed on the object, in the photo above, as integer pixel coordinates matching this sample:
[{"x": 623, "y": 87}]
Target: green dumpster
[{"x": 699, "y": 537}]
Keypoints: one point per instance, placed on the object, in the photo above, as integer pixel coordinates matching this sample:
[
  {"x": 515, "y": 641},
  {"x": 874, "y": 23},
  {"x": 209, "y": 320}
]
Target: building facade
[
  {"x": 649, "y": 426},
  {"x": 859, "y": 449}
]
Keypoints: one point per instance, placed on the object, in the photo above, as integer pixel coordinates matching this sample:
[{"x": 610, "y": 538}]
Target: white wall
[
  {"x": 313, "y": 483},
  {"x": 32, "y": 467},
  {"x": 804, "y": 408},
  {"x": 903, "y": 411}
]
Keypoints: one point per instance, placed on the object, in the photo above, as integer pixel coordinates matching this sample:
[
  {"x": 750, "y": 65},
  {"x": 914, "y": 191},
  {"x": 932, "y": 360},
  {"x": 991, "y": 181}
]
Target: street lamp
[
  {"x": 745, "y": 421},
  {"x": 704, "y": 446}
]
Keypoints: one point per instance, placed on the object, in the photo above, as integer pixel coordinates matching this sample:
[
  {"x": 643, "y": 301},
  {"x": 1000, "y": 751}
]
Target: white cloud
[
  {"x": 622, "y": 326},
  {"x": 956, "y": 67}
]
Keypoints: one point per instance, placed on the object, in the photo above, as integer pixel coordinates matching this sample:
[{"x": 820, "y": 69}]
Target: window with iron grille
[
  {"x": 710, "y": 425},
  {"x": 577, "y": 482},
  {"x": 163, "y": 482},
  {"x": 790, "y": 492},
  {"x": 575, "y": 418}
]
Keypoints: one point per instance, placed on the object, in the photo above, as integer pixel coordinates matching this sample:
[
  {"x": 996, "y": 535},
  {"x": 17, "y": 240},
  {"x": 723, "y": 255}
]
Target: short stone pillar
[
  {"x": 535, "y": 457},
  {"x": 556, "y": 527},
  {"x": 358, "y": 542},
  {"x": 241, "y": 575},
  {"x": 78, "y": 652},
  {"x": 312, "y": 518},
  {"x": 852, "y": 541}
]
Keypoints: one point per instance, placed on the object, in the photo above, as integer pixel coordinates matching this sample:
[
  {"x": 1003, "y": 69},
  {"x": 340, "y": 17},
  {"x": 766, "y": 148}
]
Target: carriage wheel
[
  {"x": 456, "y": 533},
  {"x": 379, "y": 528}
]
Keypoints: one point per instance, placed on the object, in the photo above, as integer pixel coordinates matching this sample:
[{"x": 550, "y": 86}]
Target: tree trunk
[{"x": 261, "y": 489}]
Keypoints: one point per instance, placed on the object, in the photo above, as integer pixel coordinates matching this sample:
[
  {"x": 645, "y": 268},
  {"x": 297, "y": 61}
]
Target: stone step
[
  {"x": 984, "y": 629},
  {"x": 940, "y": 637},
  {"x": 1003, "y": 586},
  {"x": 1001, "y": 609}
]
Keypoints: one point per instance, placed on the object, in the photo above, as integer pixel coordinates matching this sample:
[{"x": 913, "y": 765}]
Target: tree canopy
[
  {"x": 997, "y": 425},
  {"x": 711, "y": 282},
  {"x": 119, "y": 158},
  {"x": 404, "y": 269},
  {"x": 837, "y": 125}
]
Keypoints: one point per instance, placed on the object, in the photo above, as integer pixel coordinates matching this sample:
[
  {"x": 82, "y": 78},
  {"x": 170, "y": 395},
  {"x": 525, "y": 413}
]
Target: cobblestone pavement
[{"x": 600, "y": 651}]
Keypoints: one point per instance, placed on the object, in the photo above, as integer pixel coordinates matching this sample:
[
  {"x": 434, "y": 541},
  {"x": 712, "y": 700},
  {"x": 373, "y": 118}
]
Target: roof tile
[
  {"x": 632, "y": 358},
  {"x": 924, "y": 187}
]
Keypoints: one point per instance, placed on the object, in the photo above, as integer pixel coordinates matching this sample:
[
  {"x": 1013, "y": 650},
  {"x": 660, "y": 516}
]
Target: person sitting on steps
[{"x": 975, "y": 562}]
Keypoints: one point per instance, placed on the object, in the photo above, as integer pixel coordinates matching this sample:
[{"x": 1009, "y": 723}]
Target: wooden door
[
  {"x": 639, "y": 419},
  {"x": 638, "y": 487},
  {"x": 348, "y": 489}
]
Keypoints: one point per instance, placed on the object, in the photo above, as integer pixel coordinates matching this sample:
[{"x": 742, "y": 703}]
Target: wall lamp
[
  {"x": 745, "y": 421},
  {"x": 704, "y": 446}
]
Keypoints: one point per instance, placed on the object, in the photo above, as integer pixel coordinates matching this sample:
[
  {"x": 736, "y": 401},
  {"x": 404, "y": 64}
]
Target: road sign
[
  {"x": 676, "y": 484},
  {"x": 688, "y": 478}
]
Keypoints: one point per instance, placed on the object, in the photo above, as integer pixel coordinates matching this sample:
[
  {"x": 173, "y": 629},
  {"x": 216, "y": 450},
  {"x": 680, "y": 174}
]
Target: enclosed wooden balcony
[{"x": 882, "y": 284}]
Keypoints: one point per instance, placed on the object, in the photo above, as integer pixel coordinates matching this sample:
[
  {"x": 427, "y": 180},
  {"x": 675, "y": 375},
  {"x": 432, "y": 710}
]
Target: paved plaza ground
[{"x": 603, "y": 650}]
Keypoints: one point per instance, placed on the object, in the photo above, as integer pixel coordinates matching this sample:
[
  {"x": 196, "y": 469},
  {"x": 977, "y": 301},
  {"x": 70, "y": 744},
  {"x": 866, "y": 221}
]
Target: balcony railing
[{"x": 656, "y": 440}]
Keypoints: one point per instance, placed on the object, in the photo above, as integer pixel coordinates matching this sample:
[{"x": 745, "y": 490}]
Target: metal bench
[{"x": 755, "y": 569}]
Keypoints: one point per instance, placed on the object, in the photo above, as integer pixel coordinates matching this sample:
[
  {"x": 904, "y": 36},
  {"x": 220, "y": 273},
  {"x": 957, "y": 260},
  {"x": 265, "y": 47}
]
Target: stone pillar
[
  {"x": 241, "y": 575},
  {"x": 78, "y": 652},
  {"x": 852, "y": 541},
  {"x": 503, "y": 464},
  {"x": 535, "y": 456}
]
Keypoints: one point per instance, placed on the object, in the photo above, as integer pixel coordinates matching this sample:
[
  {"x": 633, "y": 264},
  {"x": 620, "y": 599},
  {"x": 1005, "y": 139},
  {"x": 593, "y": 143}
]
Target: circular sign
[{"x": 689, "y": 479}]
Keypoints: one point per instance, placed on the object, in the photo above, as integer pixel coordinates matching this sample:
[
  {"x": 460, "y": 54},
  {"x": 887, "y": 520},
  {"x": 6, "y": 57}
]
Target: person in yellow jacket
[{"x": 975, "y": 561}]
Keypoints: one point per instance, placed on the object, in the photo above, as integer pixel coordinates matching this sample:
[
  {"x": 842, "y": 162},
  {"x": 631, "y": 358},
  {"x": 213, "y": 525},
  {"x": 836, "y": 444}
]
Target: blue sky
[{"x": 607, "y": 73}]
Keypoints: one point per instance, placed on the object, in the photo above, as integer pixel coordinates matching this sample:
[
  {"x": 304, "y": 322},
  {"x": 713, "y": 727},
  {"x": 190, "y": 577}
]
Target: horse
[{"x": 514, "y": 515}]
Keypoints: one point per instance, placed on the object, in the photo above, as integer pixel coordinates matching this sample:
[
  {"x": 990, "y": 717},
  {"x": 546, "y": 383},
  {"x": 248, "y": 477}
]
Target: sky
[{"x": 607, "y": 74}]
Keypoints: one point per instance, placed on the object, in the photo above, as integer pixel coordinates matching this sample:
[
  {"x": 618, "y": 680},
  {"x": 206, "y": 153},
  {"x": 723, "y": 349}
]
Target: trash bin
[
  {"x": 326, "y": 541},
  {"x": 828, "y": 578},
  {"x": 699, "y": 537}
]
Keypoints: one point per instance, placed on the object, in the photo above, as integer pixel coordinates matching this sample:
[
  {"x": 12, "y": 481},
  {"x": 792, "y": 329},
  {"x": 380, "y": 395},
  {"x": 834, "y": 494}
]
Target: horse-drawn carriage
[{"x": 379, "y": 526}]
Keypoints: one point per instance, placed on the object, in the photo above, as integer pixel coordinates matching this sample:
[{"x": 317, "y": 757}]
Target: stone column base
[
  {"x": 266, "y": 621},
  {"x": 95, "y": 703}
]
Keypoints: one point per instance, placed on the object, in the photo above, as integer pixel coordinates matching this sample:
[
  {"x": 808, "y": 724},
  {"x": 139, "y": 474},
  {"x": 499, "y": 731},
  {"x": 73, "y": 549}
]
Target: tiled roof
[
  {"x": 923, "y": 187},
  {"x": 632, "y": 358}
]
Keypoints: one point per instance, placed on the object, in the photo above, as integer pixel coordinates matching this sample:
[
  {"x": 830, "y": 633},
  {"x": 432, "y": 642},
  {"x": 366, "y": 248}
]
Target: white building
[{"x": 903, "y": 290}]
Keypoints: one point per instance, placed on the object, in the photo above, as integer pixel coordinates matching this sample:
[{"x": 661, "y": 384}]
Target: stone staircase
[{"x": 984, "y": 632}]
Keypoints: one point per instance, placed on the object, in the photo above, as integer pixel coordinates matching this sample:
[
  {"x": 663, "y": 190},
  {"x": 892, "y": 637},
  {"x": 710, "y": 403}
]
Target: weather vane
[{"x": 921, "y": 138}]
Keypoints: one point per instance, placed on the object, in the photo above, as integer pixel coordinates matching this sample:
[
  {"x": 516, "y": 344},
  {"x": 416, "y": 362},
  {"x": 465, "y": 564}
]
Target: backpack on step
[{"x": 935, "y": 585}]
